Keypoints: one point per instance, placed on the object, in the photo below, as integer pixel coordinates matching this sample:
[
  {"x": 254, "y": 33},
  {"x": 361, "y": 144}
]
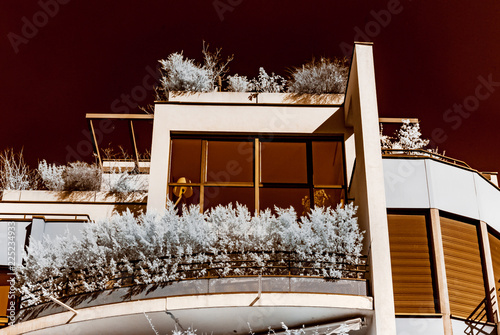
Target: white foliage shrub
[
  {"x": 408, "y": 137},
  {"x": 52, "y": 175},
  {"x": 183, "y": 74},
  {"x": 325, "y": 76},
  {"x": 265, "y": 83},
  {"x": 118, "y": 180},
  {"x": 158, "y": 248},
  {"x": 15, "y": 174},
  {"x": 238, "y": 83},
  {"x": 124, "y": 182},
  {"x": 81, "y": 176}
]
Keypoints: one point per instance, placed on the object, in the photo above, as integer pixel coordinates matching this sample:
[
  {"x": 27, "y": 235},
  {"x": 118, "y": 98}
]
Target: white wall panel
[
  {"x": 452, "y": 189},
  {"x": 405, "y": 183},
  {"x": 419, "y": 326},
  {"x": 488, "y": 202}
]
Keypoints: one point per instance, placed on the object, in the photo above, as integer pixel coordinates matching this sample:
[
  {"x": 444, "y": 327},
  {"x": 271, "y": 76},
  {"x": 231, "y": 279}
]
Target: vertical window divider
[
  {"x": 256, "y": 153},
  {"x": 203, "y": 177},
  {"x": 310, "y": 181}
]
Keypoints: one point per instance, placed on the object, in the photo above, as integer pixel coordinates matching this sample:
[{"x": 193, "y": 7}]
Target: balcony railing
[
  {"x": 423, "y": 152},
  {"x": 278, "y": 264}
]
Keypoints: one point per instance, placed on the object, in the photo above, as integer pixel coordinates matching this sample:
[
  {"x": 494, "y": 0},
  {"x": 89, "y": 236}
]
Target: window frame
[{"x": 256, "y": 139}]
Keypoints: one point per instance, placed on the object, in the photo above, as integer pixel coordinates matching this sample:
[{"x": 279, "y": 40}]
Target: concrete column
[
  {"x": 442, "y": 284},
  {"x": 369, "y": 192},
  {"x": 490, "y": 275},
  {"x": 160, "y": 155}
]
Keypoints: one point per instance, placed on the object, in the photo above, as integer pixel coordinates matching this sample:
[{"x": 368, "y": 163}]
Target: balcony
[{"x": 307, "y": 271}]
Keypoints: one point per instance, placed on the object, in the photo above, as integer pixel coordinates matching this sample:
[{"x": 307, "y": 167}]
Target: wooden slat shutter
[
  {"x": 464, "y": 271},
  {"x": 495, "y": 257},
  {"x": 411, "y": 264}
]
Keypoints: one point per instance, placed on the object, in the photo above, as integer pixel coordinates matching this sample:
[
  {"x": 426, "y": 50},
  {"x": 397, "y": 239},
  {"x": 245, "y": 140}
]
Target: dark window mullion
[
  {"x": 310, "y": 183},
  {"x": 203, "y": 177}
]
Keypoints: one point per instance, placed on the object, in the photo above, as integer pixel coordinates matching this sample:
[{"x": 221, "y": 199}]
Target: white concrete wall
[
  {"x": 419, "y": 326},
  {"x": 427, "y": 183},
  {"x": 71, "y": 205},
  {"x": 467, "y": 328},
  {"x": 245, "y": 118},
  {"x": 6, "y": 251}
]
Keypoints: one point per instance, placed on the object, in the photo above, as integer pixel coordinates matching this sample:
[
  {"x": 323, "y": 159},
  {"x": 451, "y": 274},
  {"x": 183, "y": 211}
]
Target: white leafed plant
[
  {"x": 318, "y": 77},
  {"x": 52, "y": 175},
  {"x": 161, "y": 247},
  {"x": 408, "y": 137}
]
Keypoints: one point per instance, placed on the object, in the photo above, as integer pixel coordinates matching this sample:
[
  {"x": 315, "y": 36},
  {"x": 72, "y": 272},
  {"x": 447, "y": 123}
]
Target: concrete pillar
[
  {"x": 442, "y": 284},
  {"x": 160, "y": 155},
  {"x": 362, "y": 114}
]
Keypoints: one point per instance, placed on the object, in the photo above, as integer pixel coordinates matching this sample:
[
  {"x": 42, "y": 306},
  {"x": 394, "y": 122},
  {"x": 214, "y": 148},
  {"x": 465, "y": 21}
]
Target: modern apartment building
[{"x": 432, "y": 224}]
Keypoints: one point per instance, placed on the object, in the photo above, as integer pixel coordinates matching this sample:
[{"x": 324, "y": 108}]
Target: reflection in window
[
  {"x": 223, "y": 170},
  {"x": 283, "y": 198},
  {"x": 184, "y": 195},
  {"x": 324, "y": 198}
]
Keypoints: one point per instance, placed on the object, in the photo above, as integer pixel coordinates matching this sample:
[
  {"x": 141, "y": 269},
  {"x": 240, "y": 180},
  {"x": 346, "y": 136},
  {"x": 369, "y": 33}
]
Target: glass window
[
  {"x": 184, "y": 195},
  {"x": 230, "y": 161},
  {"x": 284, "y": 198},
  {"x": 283, "y": 162},
  {"x": 223, "y": 170},
  {"x": 185, "y": 160},
  {"x": 328, "y": 163},
  {"x": 214, "y": 196}
]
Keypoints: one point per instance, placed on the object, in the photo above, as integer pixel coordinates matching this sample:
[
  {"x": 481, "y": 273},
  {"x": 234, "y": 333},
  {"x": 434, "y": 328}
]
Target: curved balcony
[{"x": 283, "y": 288}]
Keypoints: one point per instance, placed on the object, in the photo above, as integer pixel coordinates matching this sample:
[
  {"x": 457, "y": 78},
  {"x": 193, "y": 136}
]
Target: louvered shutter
[
  {"x": 411, "y": 264},
  {"x": 464, "y": 270}
]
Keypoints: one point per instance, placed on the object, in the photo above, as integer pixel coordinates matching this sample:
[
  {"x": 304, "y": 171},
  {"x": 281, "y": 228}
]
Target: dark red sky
[{"x": 428, "y": 56}]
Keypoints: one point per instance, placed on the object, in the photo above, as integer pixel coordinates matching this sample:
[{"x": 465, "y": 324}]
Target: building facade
[{"x": 431, "y": 224}]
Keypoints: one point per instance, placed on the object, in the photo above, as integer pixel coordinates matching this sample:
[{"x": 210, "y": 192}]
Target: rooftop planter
[{"x": 261, "y": 98}]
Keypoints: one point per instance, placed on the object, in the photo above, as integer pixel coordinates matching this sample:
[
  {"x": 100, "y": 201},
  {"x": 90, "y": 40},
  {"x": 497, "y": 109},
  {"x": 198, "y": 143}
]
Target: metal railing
[
  {"x": 423, "y": 152},
  {"x": 278, "y": 263}
]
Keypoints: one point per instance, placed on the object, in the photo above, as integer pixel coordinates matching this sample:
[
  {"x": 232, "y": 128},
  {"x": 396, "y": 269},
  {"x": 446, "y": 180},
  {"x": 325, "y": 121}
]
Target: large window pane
[
  {"x": 463, "y": 266},
  {"x": 230, "y": 161},
  {"x": 225, "y": 195},
  {"x": 327, "y": 163},
  {"x": 284, "y": 198},
  {"x": 185, "y": 160},
  {"x": 411, "y": 264},
  {"x": 283, "y": 162}
]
